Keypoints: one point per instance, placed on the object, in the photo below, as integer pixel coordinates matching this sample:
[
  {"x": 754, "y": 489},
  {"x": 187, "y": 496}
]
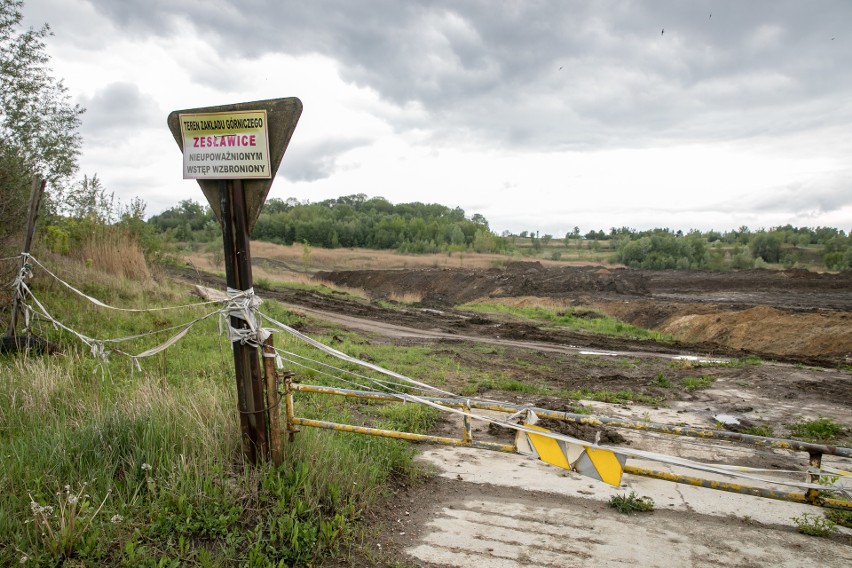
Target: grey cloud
[
  {"x": 492, "y": 70},
  {"x": 807, "y": 198},
  {"x": 118, "y": 106},
  {"x": 314, "y": 161},
  {"x": 819, "y": 195}
]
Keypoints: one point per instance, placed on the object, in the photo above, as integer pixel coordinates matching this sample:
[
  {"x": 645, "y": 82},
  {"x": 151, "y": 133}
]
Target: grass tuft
[
  {"x": 628, "y": 504},
  {"x": 819, "y": 430},
  {"x": 571, "y": 318}
]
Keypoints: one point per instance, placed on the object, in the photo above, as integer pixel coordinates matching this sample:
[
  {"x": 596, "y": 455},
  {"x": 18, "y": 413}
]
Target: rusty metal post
[
  {"x": 250, "y": 399},
  {"x": 468, "y": 434},
  {"x": 288, "y": 406},
  {"x": 36, "y": 194},
  {"x": 815, "y": 462},
  {"x": 273, "y": 398}
]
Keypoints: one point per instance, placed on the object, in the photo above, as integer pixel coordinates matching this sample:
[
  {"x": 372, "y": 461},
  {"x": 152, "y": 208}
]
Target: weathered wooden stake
[
  {"x": 273, "y": 400},
  {"x": 36, "y": 194},
  {"x": 250, "y": 398}
]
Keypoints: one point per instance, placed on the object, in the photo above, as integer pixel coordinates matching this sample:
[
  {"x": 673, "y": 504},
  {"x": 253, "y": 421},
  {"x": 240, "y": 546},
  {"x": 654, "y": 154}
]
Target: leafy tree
[
  {"x": 88, "y": 200},
  {"x": 38, "y": 125},
  {"x": 766, "y": 246},
  {"x": 187, "y": 221},
  {"x": 478, "y": 219},
  {"x": 36, "y": 117}
]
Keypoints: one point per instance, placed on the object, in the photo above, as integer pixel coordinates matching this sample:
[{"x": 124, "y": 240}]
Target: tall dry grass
[{"x": 115, "y": 252}]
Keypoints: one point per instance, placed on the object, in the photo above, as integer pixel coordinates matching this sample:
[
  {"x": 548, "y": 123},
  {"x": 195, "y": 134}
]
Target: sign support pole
[
  {"x": 234, "y": 152},
  {"x": 250, "y": 397}
]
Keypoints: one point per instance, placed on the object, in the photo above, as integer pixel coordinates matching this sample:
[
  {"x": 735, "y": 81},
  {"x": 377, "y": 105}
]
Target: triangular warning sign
[{"x": 280, "y": 117}]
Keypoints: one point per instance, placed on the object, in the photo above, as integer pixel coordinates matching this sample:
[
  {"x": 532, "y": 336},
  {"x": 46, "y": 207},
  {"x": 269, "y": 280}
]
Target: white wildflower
[
  {"x": 24, "y": 559},
  {"x": 116, "y": 519},
  {"x": 146, "y": 467},
  {"x": 72, "y": 499},
  {"x": 37, "y": 509}
]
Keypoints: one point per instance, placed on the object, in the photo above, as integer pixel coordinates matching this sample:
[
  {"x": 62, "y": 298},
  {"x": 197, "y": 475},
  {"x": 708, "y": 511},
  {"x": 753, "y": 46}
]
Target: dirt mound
[
  {"x": 769, "y": 330},
  {"x": 448, "y": 287},
  {"x": 759, "y": 329}
]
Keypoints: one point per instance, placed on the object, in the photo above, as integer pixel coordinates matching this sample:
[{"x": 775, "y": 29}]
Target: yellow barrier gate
[{"x": 602, "y": 464}]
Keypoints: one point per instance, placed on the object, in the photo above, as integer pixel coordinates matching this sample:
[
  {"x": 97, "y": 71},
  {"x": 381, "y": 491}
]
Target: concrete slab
[{"x": 564, "y": 521}]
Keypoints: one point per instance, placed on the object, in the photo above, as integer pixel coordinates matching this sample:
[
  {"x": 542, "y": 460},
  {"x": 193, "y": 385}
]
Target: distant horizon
[{"x": 469, "y": 214}]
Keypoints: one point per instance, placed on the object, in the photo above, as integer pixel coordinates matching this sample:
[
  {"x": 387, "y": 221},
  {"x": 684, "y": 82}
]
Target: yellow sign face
[{"x": 225, "y": 145}]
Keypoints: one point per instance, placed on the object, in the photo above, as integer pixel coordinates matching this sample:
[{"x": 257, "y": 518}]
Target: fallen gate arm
[{"x": 815, "y": 451}]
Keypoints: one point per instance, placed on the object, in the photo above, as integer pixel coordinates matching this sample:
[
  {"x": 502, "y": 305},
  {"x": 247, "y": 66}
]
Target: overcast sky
[{"x": 539, "y": 115}]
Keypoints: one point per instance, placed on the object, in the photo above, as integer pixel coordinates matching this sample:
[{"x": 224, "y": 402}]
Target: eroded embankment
[{"x": 793, "y": 313}]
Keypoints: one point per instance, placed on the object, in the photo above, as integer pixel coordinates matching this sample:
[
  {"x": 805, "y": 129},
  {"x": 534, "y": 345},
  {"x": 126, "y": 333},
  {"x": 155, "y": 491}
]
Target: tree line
[
  {"x": 358, "y": 221},
  {"x": 353, "y": 221}
]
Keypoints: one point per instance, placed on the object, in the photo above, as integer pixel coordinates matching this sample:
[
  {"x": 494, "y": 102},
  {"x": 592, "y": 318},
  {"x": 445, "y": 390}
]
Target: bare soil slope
[{"x": 790, "y": 315}]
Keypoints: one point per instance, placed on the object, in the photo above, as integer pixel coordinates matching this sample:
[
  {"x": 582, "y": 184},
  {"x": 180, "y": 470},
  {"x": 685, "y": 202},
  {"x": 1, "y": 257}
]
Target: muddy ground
[{"x": 792, "y": 315}]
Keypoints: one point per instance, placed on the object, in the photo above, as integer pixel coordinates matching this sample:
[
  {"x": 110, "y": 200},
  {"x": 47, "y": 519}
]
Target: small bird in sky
[
  {"x": 711, "y": 15},
  {"x": 662, "y": 32}
]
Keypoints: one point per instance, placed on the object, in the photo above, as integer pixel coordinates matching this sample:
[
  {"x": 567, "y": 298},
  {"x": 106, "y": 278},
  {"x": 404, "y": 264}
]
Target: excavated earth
[
  {"x": 791, "y": 315},
  {"x": 482, "y": 508}
]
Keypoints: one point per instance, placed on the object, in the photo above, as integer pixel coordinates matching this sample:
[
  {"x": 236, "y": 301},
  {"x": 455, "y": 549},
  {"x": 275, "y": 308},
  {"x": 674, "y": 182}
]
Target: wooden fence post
[{"x": 36, "y": 194}]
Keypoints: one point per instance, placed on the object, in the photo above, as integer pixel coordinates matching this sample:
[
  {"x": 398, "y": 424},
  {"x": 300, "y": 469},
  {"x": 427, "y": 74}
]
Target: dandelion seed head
[
  {"x": 72, "y": 499},
  {"x": 146, "y": 467}
]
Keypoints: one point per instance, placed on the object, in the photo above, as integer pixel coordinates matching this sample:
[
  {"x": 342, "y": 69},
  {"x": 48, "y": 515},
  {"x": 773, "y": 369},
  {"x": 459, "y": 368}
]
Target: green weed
[
  {"x": 662, "y": 381},
  {"x": 628, "y": 504},
  {"x": 570, "y": 318},
  {"x": 819, "y": 430},
  {"x": 624, "y": 396},
  {"x": 764, "y": 430},
  {"x": 839, "y": 517},
  {"x": 697, "y": 383},
  {"x": 814, "y": 525}
]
